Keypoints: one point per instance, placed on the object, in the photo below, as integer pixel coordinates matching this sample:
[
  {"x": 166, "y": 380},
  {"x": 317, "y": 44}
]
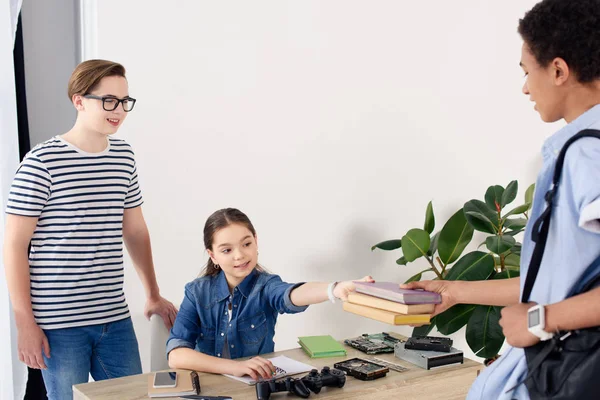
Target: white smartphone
[{"x": 165, "y": 379}]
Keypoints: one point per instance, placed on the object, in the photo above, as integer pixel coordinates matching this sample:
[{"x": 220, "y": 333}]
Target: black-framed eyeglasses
[{"x": 110, "y": 103}]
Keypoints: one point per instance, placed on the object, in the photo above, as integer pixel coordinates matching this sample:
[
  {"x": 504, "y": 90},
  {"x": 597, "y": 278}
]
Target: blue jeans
[{"x": 104, "y": 351}]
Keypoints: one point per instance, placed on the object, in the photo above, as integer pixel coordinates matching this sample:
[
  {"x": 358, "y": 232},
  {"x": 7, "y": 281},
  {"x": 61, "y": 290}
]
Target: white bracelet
[{"x": 330, "y": 291}]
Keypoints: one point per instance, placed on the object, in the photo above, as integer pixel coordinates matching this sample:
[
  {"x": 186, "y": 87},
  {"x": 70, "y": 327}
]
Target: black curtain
[{"x": 36, "y": 390}]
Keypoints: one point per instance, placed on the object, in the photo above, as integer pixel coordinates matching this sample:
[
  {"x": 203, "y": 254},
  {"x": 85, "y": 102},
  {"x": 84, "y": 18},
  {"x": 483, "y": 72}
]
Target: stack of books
[{"x": 386, "y": 302}]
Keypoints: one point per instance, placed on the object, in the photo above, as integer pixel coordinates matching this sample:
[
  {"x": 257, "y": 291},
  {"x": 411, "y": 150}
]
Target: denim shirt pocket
[
  {"x": 206, "y": 340},
  {"x": 253, "y": 329}
]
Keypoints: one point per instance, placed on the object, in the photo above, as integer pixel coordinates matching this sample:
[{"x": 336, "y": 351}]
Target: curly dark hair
[{"x": 569, "y": 29}]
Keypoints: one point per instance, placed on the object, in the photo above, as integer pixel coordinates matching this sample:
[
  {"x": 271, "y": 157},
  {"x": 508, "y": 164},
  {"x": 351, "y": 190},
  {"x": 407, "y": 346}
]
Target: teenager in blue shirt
[
  {"x": 561, "y": 60},
  {"x": 231, "y": 310}
]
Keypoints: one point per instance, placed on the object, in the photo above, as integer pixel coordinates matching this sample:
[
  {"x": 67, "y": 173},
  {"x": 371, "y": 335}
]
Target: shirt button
[
  {"x": 252, "y": 326},
  {"x": 219, "y": 355},
  {"x": 230, "y": 325},
  {"x": 235, "y": 289},
  {"x": 235, "y": 305},
  {"x": 222, "y": 334},
  {"x": 202, "y": 334},
  {"x": 232, "y": 346}
]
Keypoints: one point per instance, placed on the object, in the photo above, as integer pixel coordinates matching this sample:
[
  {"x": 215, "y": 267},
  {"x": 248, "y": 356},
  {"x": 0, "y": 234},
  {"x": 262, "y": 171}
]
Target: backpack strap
[{"x": 541, "y": 226}]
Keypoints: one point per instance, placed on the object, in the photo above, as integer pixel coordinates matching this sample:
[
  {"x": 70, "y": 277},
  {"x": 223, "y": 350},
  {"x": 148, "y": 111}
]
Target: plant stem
[
  {"x": 437, "y": 272},
  {"x": 502, "y": 266},
  {"x": 442, "y": 266},
  {"x": 500, "y": 223}
]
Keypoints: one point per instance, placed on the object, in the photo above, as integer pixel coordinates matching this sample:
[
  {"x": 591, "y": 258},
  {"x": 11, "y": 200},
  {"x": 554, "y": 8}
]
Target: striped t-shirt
[{"x": 76, "y": 256}]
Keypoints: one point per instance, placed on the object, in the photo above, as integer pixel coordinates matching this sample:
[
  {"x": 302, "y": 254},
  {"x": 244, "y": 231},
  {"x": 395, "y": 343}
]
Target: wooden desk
[{"x": 449, "y": 382}]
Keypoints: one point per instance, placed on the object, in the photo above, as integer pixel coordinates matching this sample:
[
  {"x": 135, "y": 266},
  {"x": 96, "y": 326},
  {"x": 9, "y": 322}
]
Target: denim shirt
[
  {"x": 203, "y": 319},
  {"x": 573, "y": 243}
]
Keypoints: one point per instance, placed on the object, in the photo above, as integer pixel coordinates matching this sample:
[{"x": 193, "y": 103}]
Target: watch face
[{"x": 534, "y": 318}]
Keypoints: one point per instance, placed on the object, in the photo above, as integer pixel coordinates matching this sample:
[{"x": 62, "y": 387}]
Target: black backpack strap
[{"x": 541, "y": 226}]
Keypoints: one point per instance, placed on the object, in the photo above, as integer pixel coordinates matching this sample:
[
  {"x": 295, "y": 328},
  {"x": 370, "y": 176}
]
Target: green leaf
[
  {"x": 516, "y": 249},
  {"x": 454, "y": 318},
  {"x": 509, "y": 273},
  {"x": 515, "y": 223},
  {"x": 514, "y": 233},
  {"x": 480, "y": 222},
  {"x": 454, "y": 237},
  {"x": 518, "y": 210},
  {"x": 429, "y": 219},
  {"x": 434, "y": 244},
  {"x": 484, "y": 334},
  {"x": 474, "y": 266},
  {"x": 481, "y": 217},
  {"x": 513, "y": 260},
  {"x": 500, "y": 244},
  {"x": 388, "y": 245},
  {"x": 510, "y": 194},
  {"x": 493, "y": 196},
  {"x": 529, "y": 194},
  {"x": 401, "y": 261},
  {"x": 425, "y": 329},
  {"x": 417, "y": 277},
  {"x": 415, "y": 244}
]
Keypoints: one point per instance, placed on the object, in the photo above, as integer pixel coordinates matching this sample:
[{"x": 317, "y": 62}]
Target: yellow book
[
  {"x": 382, "y": 304},
  {"x": 387, "y": 316}
]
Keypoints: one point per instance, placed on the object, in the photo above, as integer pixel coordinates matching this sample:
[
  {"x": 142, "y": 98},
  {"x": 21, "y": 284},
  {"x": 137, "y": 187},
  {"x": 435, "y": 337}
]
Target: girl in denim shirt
[{"x": 231, "y": 310}]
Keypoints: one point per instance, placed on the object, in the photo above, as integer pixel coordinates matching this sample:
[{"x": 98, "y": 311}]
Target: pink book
[{"x": 391, "y": 291}]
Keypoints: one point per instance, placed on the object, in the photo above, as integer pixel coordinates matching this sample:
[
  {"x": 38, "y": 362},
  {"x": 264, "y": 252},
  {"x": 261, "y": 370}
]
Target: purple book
[{"x": 391, "y": 291}]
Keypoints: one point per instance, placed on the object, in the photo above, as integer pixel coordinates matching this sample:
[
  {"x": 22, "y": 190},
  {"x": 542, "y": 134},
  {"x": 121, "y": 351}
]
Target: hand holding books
[{"x": 387, "y": 302}]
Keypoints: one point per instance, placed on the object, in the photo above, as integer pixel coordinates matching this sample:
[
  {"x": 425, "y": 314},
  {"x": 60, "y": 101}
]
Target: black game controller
[
  {"x": 328, "y": 377},
  {"x": 313, "y": 381},
  {"x": 295, "y": 386}
]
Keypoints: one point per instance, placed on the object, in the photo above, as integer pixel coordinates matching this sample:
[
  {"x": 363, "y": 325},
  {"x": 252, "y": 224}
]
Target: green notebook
[{"x": 321, "y": 346}]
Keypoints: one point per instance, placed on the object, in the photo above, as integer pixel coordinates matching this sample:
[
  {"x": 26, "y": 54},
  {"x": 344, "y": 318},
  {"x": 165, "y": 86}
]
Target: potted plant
[{"x": 497, "y": 257}]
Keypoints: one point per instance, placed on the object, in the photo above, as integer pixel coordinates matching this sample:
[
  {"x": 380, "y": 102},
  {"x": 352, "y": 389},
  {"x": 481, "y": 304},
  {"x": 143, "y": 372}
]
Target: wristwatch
[{"x": 536, "y": 322}]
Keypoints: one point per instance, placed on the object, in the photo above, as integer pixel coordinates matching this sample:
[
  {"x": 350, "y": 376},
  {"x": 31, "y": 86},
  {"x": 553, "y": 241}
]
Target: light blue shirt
[{"x": 573, "y": 242}]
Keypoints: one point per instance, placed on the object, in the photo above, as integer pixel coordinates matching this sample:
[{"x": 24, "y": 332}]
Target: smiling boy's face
[
  {"x": 92, "y": 111},
  {"x": 235, "y": 250}
]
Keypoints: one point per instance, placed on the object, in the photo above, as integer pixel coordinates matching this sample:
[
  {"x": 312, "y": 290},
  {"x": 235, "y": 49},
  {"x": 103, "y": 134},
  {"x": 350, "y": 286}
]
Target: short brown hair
[{"x": 89, "y": 73}]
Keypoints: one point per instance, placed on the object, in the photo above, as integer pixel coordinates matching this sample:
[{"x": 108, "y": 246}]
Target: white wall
[
  {"x": 50, "y": 42},
  {"x": 330, "y": 123},
  {"x": 12, "y": 373}
]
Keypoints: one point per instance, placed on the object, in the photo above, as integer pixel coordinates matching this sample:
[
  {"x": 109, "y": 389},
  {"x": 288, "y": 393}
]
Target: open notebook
[{"x": 284, "y": 366}]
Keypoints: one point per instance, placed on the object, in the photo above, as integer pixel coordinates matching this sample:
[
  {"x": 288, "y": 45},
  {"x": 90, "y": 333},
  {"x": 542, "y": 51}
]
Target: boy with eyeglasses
[{"x": 74, "y": 200}]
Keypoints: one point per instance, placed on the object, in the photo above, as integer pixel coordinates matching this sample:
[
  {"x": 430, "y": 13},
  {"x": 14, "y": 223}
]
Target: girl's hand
[
  {"x": 256, "y": 367},
  {"x": 342, "y": 289}
]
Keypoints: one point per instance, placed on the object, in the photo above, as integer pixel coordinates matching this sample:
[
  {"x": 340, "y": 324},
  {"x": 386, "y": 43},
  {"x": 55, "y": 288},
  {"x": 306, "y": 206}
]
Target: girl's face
[
  {"x": 92, "y": 112},
  {"x": 235, "y": 250}
]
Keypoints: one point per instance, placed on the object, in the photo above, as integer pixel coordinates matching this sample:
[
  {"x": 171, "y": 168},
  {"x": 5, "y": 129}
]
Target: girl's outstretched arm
[{"x": 317, "y": 292}]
